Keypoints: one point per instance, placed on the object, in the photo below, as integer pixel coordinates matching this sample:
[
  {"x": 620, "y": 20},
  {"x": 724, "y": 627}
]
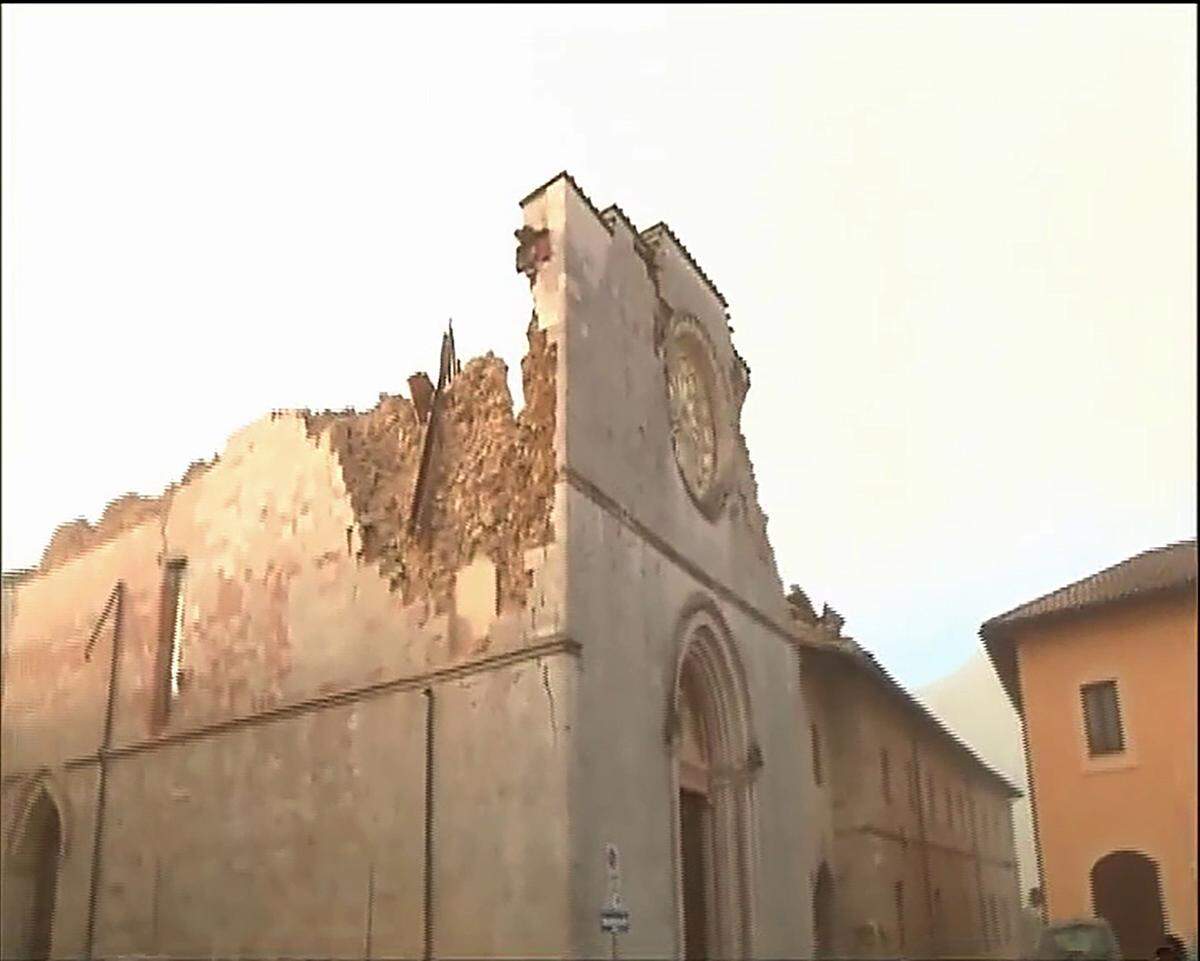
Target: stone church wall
[
  {"x": 539, "y": 573},
  {"x": 279, "y": 805},
  {"x": 641, "y": 554}
]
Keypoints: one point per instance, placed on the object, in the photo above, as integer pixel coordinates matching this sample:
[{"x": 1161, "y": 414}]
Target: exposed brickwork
[{"x": 491, "y": 486}]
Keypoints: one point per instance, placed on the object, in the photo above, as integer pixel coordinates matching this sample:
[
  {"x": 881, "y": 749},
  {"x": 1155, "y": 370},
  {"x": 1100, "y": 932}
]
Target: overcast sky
[{"x": 958, "y": 244}]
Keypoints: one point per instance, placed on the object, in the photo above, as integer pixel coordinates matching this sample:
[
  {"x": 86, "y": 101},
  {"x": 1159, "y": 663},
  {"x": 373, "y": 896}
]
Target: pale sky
[{"x": 959, "y": 247}]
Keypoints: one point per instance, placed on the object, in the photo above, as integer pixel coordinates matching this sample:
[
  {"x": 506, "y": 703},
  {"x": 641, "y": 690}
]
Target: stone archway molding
[
  {"x": 28, "y": 792},
  {"x": 706, "y": 656}
]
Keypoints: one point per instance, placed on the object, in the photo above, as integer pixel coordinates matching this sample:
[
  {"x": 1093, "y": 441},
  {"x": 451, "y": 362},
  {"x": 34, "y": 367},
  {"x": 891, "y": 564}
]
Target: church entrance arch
[{"x": 714, "y": 762}]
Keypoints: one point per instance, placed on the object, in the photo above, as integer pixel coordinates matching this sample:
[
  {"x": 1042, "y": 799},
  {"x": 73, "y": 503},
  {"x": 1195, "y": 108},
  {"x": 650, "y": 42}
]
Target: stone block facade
[{"x": 392, "y": 683}]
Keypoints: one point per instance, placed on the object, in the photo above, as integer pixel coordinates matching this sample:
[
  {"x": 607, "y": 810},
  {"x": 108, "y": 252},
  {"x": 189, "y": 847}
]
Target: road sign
[
  {"x": 614, "y": 916},
  {"x": 614, "y": 920}
]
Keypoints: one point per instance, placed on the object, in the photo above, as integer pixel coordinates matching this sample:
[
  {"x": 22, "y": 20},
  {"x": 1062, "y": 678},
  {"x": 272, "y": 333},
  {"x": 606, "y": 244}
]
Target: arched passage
[
  {"x": 695, "y": 825},
  {"x": 1127, "y": 894},
  {"x": 822, "y": 911},
  {"x": 31, "y": 881},
  {"x": 715, "y": 762}
]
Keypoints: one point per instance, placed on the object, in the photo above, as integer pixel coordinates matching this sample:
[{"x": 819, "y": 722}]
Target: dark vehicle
[{"x": 1082, "y": 938}]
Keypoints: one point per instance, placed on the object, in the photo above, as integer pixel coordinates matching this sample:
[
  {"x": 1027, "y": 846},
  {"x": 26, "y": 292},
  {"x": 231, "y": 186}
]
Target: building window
[
  {"x": 932, "y": 799},
  {"x": 885, "y": 775},
  {"x": 1102, "y": 718},
  {"x": 171, "y": 641},
  {"x": 950, "y": 808},
  {"x": 816, "y": 755},
  {"x": 898, "y": 893}
]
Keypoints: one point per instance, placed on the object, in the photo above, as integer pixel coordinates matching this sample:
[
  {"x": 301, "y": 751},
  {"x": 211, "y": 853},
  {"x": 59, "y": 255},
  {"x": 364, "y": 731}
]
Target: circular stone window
[{"x": 696, "y": 399}]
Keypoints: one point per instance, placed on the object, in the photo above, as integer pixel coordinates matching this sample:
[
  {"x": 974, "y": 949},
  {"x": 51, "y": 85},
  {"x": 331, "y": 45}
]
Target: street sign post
[
  {"x": 614, "y": 916},
  {"x": 612, "y": 862}
]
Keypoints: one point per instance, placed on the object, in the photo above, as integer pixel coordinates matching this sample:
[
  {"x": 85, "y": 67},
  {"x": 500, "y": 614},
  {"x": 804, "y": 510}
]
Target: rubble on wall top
[
  {"x": 801, "y": 607},
  {"x": 470, "y": 478},
  {"x": 831, "y": 620},
  {"x": 827, "y": 637},
  {"x": 487, "y": 454}
]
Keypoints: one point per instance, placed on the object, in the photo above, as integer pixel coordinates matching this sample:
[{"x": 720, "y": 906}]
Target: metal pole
[
  {"x": 428, "y": 949},
  {"x": 154, "y": 909},
  {"x": 1043, "y": 908},
  {"x": 114, "y": 604},
  {"x": 370, "y": 910}
]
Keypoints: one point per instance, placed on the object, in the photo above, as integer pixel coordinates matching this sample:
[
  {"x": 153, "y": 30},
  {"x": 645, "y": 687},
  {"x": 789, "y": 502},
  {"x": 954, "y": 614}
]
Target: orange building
[{"x": 1103, "y": 674}]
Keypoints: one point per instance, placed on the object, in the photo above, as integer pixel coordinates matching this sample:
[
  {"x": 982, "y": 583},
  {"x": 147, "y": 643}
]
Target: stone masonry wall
[
  {"x": 887, "y": 834},
  {"x": 283, "y": 778}
]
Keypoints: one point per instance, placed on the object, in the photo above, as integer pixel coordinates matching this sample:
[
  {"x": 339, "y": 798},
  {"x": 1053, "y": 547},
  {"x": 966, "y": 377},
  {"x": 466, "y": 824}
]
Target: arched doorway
[
  {"x": 823, "y": 923},
  {"x": 714, "y": 764},
  {"x": 1127, "y": 894},
  {"x": 31, "y": 881},
  {"x": 695, "y": 825}
]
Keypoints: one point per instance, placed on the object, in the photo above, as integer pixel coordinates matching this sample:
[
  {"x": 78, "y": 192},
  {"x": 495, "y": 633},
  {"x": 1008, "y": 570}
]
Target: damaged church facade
[{"x": 391, "y": 683}]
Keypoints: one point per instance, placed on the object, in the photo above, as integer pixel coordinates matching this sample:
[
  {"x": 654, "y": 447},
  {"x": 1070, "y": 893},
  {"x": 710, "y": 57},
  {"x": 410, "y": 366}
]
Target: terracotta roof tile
[
  {"x": 1153, "y": 570},
  {"x": 1164, "y": 568}
]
